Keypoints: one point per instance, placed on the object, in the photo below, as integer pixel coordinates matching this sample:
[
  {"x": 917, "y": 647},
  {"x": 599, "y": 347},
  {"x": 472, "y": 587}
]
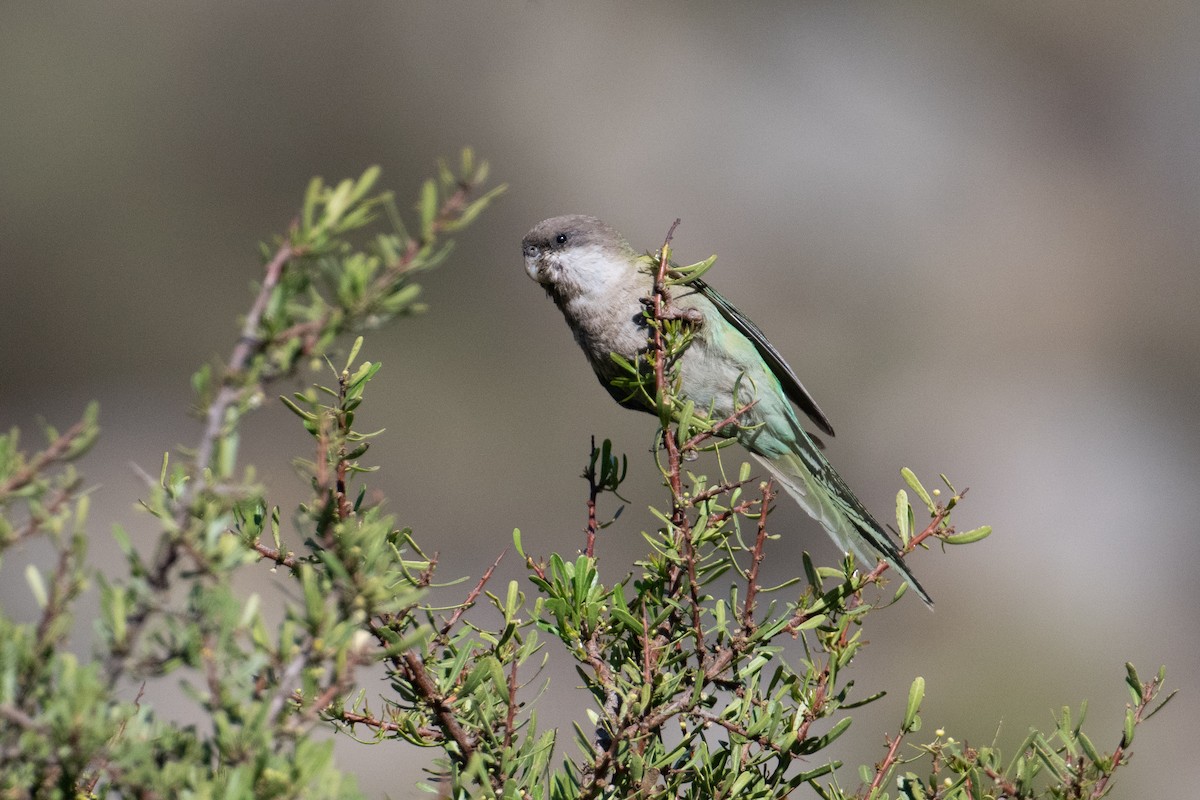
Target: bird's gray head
[{"x": 570, "y": 254}]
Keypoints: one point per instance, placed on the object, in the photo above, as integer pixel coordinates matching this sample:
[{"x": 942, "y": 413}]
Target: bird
[{"x": 601, "y": 285}]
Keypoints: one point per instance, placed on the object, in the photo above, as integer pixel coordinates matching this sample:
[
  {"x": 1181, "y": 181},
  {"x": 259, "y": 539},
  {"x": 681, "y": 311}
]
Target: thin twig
[
  {"x": 286, "y": 559},
  {"x": 248, "y": 344},
  {"x": 703, "y": 436},
  {"x": 413, "y": 668},
  {"x": 885, "y": 766},
  {"x": 351, "y": 718},
  {"x": 1149, "y": 691},
  {"x": 444, "y": 631},
  {"x": 593, "y": 493},
  {"x": 756, "y": 558},
  {"x": 56, "y": 451}
]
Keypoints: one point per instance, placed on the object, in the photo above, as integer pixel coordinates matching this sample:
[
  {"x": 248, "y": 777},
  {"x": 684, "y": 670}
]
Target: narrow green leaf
[
  {"x": 1130, "y": 723},
  {"x": 33, "y": 576},
  {"x": 512, "y": 601},
  {"x": 1159, "y": 707},
  {"x": 1131, "y": 677},
  {"x": 812, "y": 622},
  {"x": 1089, "y": 749},
  {"x": 307, "y": 416},
  {"x": 916, "y": 694},
  {"x": 365, "y": 182},
  {"x": 903, "y": 516},
  {"x": 312, "y": 196},
  {"x": 428, "y": 209},
  {"x": 911, "y": 479},
  {"x": 358, "y": 343},
  {"x": 967, "y": 537},
  {"x": 810, "y": 572}
]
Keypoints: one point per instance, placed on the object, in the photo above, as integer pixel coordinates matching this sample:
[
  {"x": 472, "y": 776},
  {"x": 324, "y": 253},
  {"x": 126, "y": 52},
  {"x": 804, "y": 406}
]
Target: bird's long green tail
[{"x": 827, "y": 499}]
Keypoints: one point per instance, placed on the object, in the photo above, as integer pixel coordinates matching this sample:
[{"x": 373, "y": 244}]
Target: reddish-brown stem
[
  {"x": 471, "y": 598},
  {"x": 418, "y": 677},
  {"x": 1149, "y": 690},
  {"x": 883, "y": 767},
  {"x": 278, "y": 556},
  {"x": 351, "y": 718},
  {"x": 593, "y": 493},
  {"x": 913, "y": 543},
  {"x": 756, "y": 558},
  {"x": 732, "y": 419}
]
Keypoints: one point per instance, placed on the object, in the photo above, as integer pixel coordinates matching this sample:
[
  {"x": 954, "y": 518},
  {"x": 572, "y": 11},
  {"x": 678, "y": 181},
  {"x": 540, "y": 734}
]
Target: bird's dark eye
[{"x": 561, "y": 238}]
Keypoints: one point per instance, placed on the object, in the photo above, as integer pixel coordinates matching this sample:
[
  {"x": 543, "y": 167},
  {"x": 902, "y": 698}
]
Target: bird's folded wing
[{"x": 787, "y": 378}]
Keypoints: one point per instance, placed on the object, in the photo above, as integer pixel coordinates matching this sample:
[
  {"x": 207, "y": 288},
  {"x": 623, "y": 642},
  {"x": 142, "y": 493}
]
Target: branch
[
  {"x": 55, "y": 452},
  {"x": 882, "y": 768},
  {"x": 249, "y": 343},
  {"x": 414, "y": 671},
  {"x": 473, "y": 596},
  {"x": 756, "y": 558}
]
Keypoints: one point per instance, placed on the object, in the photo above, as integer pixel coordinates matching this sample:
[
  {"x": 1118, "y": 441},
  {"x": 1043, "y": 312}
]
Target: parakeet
[{"x": 600, "y": 282}]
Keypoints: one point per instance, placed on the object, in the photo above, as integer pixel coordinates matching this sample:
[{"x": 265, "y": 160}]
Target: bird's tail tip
[{"x": 916, "y": 587}]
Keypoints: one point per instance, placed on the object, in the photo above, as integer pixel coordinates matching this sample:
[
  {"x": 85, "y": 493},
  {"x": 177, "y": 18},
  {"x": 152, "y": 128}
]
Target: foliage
[{"x": 693, "y": 692}]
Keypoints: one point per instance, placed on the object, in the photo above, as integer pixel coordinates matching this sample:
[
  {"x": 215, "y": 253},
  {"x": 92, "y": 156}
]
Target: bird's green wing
[{"x": 787, "y": 378}]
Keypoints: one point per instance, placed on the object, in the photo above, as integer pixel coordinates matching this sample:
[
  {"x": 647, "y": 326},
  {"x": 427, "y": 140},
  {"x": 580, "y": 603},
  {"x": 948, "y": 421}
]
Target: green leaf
[
  {"x": 903, "y": 516},
  {"x": 366, "y": 182},
  {"x": 1089, "y": 749},
  {"x": 810, "y": 572},
  {"x": 682, "y": 275},
  {"x": 312, "y": 196},
  {"x": 358, "y": 343},
  {"x": 1160, "y": 706},
  {"x": 911, "y": 479},
  {"x": 1130, "y": 724},
  {"x": 916, "y": 694},
  {"x": 37, "y": 585},
  {"x": 967, "y": 537},
  {"x": 428, "y": 209},
  {"x": 812, "y": 622}
]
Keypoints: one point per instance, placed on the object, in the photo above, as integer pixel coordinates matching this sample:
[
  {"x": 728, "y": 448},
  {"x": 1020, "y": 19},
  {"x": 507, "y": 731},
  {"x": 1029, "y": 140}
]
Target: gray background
[{"x": 972, "y": 228}]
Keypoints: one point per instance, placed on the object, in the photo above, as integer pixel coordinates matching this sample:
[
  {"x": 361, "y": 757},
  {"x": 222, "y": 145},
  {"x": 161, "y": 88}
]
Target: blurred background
[{"x": 971, "y": 228}]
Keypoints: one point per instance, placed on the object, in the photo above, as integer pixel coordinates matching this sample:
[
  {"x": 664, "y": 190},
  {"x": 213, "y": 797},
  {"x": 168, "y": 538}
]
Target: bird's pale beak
[{"x": 539, "y": 266}]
